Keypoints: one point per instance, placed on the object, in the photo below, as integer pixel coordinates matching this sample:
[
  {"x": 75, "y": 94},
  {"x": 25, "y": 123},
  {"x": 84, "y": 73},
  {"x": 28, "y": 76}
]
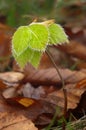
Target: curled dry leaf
[
  {"x": 73, "y": 96},
  {"x": 51, "y": 77},
  {"x": 10, "y": 92},
  {"x": 11, "y": 77},
  {"x": 75, "y": 49}
]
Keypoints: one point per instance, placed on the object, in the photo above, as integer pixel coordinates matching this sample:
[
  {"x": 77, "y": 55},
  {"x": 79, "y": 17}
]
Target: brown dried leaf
[
  {"x": 2, "y": 85},
  {"x": 81, "y": 84},
  {"x": 11, "y": 77},
  {"x": 12, "y": 117},
  {"x": 26, "y": 102},
  {"x": 12, "y": 121},
  {"x": 24, "y": 125},
  {"x": 75, "y": 32},
  {"x": 5, "y": 46},
  {"x": 73, "y": 96},
  {"x": 10, "y": 92},
  {"x": 75, "y": 49},
  {"x": 57, "y": 55},
  {"x": 15, "y": 111},
  {"x": 51, "y": 77},
  {"x": 81, "y": 64}
]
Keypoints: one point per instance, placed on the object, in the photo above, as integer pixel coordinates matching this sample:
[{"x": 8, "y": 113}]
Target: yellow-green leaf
[
  {"x": 40, "y": 35},
  {"x": 20, "y": 40},
  {"x": 28, "y": 56},
  {"x": 57, "y": 34}
]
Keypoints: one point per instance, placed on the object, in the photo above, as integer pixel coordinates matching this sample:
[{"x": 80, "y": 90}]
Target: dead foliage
[{"x": 31, "y": 96}]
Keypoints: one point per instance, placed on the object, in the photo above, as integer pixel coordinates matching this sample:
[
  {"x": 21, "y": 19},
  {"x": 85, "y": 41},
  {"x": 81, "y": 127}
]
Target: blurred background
[
  {"x": 17, "y": 12},
  {"x": 71, "y": 14}
]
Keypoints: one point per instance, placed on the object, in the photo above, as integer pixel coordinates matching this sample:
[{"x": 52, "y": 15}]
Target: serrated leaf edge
[
  {"x": 62, "y": 42},
  {"x": 24, "y": 48}
]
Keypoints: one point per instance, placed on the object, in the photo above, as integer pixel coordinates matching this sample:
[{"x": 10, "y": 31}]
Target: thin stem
[
  {"x": 53, "y": 62},
  {"x": 64, "y": 90}
]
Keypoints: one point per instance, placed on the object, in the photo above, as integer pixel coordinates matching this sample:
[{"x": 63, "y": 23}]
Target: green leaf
[
  {"x": 39, "y": 33},
  {"x": 57, "y": 34},
  {"x": 29, "y": 42},
  {"x": 20, "y": 40},
  {"x": 28, "y": 56}
]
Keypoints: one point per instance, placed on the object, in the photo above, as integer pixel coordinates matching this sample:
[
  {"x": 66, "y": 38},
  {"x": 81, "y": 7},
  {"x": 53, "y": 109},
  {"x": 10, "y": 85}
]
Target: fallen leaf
[
  {"x": 11, "y": 77},
  {"x": 12, "y": 121},
  {"x": 51, "y": 77},
  {"x": 24, "y": 125},
  {"x": 81, "y": 84},
  {"x": 2, "y": 85},
  {"x": 73, "y": 96},
  {"x": 75, "y": 49},
  {"x": 10, "y": 92},
  {"x": 75, "y": 33},
  {"x": 58, "y": 58},
  {"x": 5, "y": 46},
  {"x": 26, "y": 102},
  {"x": 12, "y": 113}
]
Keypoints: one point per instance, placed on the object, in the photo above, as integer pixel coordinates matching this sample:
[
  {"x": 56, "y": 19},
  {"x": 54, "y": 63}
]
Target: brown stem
[{"x": 62, "y": 80}]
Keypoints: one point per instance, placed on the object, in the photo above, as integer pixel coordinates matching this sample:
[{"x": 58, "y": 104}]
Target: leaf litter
[{"x": 44, "y": 93}]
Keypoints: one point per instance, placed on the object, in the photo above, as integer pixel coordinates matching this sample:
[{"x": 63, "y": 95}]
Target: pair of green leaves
[{"x": 29, "y": 42}]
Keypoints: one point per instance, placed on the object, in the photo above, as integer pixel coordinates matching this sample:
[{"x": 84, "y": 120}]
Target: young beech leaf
[
  {"x": 57, "y": 34},
  {"x": 39, "y": 33},
  {"x": 20, "y": 40},
  {"x": 29, "y": 42},
  {"x": 28, "y": 56}
]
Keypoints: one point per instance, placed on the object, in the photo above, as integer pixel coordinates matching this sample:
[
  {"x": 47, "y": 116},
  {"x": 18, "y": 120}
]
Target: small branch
[{"x": 62, "y": 80}]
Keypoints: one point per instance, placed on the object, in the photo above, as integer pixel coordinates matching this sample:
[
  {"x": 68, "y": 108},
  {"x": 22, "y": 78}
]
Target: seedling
[{"x": 29, "y": 43}]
